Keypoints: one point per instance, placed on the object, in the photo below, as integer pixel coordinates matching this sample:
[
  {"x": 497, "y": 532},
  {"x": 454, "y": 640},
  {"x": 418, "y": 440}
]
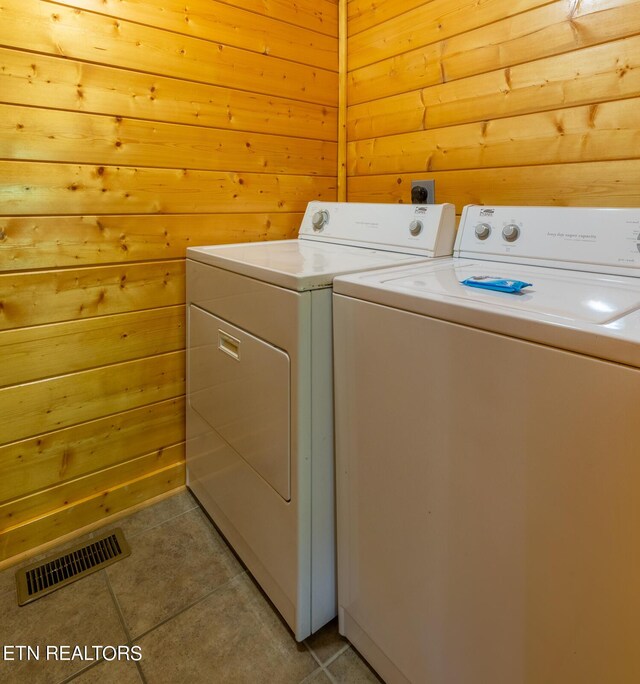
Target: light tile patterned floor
[{"x": 186, "y": 601}]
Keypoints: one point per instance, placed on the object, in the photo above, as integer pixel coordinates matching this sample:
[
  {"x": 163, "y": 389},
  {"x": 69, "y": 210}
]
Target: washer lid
[
  {"x": 296, "y": 264},
  {"x": 587, "y": 312},
  {"x": 570, "y": 296}
]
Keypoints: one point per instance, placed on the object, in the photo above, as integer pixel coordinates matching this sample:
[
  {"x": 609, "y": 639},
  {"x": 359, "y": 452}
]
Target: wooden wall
[
  {"x": 499, "y": 101},
  {"x": 130, "y": 129}
]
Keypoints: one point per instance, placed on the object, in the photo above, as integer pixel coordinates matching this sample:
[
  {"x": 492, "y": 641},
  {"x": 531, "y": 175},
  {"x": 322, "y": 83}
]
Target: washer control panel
[{"x": 596, "y": 239}]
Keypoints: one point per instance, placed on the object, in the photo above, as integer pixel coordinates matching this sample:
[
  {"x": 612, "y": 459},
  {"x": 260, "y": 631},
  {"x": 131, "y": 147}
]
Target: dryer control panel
[
  {"x": 597, "y": 239},
  {"x": 418, "y": 229}
]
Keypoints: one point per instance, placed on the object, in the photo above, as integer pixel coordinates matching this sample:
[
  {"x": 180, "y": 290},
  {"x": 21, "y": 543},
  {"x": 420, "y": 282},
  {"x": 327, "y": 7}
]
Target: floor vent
[{"x": 40, "y": 579}]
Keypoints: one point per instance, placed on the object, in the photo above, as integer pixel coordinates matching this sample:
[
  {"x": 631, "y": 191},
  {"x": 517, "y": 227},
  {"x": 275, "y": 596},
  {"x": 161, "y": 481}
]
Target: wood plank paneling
[
  {"x": 605, "y": 72},
  {"x": 131, "y": 130},
  {"x": 485, "y": 49},
  {"x": 429, "y": 23},
  {"x": 34, "y": 463},
  {"x": 363, "y": 14},
  {"x": 590, "y": 75},
  {"x": 31, "y": 79},
  {"x": 41, "y": 188},
  {"x": 319, "y": 15},
  {"x": 67, "y": 32},
  {"x": 589, "y": 133},
  {"x": 39, "y": 297},
  {"x": 62, "y": 401},
  {"x": 394, "y": 114},
  {"x": 39, "y": 503},
  {"x": 33, "y": 242},
  {"x": 549, "y": 30},
  {"x": 205, "y": 18},
  {"x": 499, "y": 103},
  {"x": 399, "y": 74},
  {"x": 342, "y": 105},
  {"x": 43, "y": 135},
  {"x": 43, "y": 351}
]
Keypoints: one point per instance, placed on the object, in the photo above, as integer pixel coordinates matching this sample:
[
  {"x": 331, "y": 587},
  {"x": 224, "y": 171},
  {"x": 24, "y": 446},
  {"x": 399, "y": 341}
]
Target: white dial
[
  {"x": 483, "y": 230},
  {"x": 510, "y": 232},
  {"x": 319, "y": 219},
  {"x": 415, "y": 228}
]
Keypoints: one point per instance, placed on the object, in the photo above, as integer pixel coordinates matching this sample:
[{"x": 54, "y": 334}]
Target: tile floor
[{"x": 186, "y": 601}]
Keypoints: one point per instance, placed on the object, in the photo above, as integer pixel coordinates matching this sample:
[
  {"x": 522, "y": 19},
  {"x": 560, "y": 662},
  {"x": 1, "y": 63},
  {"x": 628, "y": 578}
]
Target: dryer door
[{"x": 239, "y": 384}]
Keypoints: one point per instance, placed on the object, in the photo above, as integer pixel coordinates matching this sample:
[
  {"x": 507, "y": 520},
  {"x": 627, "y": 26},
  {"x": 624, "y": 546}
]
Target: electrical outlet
[{"x": 423, "y": 192}]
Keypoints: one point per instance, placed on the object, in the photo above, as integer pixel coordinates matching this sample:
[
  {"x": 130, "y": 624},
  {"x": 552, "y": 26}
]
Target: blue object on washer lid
[{"x": 498, "y": 284}]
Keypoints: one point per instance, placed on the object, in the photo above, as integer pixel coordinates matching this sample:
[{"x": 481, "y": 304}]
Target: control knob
[
  {"x": 415, "y": 228},
  {"x": 319, "y": 219},
  {"x": 510, "y": 232},
  {"x": 483, "y": 230}
]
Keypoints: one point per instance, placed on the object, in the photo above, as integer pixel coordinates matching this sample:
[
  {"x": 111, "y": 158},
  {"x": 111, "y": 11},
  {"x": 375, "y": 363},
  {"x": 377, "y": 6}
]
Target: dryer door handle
[{"x": 228, "y": 344}]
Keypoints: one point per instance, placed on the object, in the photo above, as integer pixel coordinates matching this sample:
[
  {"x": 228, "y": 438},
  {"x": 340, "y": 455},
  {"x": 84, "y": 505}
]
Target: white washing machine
[
  {"x": 260, "y": 455},
  {"x": 488, "y": 455}
]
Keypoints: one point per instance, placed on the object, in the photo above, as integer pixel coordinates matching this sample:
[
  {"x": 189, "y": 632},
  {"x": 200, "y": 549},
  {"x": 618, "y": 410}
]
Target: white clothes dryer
[
  {"x": 488, "y": 454},
  {"x": 260, "y": 455}
]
